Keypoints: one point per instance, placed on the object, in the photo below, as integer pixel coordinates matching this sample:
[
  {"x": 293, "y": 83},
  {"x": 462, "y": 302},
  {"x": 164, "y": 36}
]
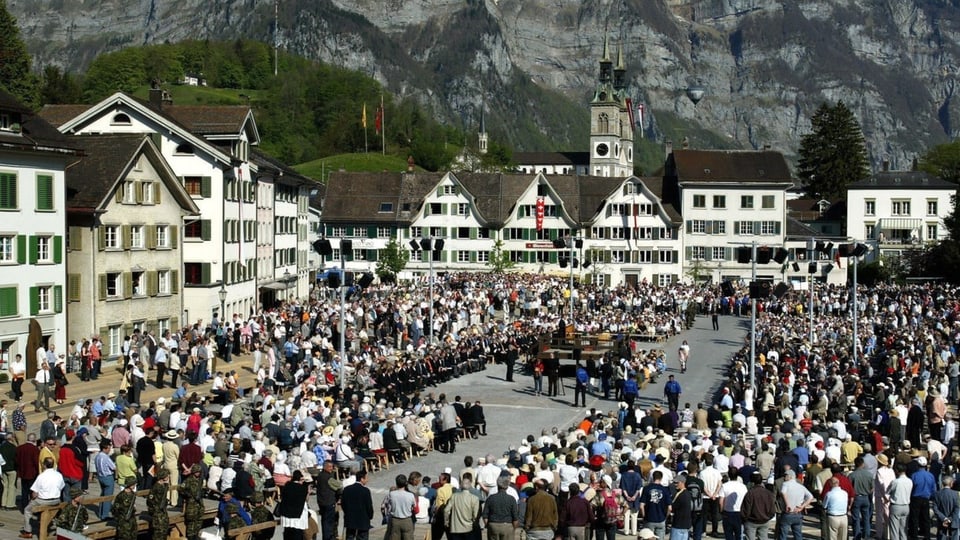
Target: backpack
[
  {"x": 611, "y": 510},
  {"x": 582, "y": 376},
  {"x": 696, "y": 496}
]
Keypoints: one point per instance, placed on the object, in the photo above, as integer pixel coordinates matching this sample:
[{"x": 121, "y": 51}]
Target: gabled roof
[
  {"x": 35, "y": 134},
  {"x": 903, "y": 180},
  {"x": 108, "y": 105},
  {"x": 358, "y": 197},
  {"x": 109, "y": 158},
  {"x": 798, "y": 229},
  {"x": 268, "y": 163},
  {"x": 58, "y": 115},
  {"x": 494, "y": 194},
  {"x": 728, "y": 166},
  {"x": 655, "y": 185},
  {"x": 210, "y": 120}
]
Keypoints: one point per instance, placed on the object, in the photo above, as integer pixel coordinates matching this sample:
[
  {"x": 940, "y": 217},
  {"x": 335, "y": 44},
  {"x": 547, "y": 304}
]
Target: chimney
[
  {"x": 685, "y": 143},
  {"x": 409, "y": 164},
  {"x": 886, "y": 165},
  {"x": 766, "y": 147},
  {"x": 667, "y": 148},
  {"x": 156, "y": 97}
]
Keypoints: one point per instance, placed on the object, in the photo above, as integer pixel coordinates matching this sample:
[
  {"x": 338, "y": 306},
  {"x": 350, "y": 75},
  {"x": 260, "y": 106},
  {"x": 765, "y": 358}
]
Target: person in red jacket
[
  {"x": 71, "y": 465},
  {"x": 28, "y": 467}
]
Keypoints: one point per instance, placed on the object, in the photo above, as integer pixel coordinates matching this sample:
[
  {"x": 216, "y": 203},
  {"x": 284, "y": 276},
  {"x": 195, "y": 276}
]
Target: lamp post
[
  {"x": 812, "y": 265},
  {"x": 429, "y": 246},
  {"x": 345, "y": 246},
  {"x": 222, "y": 295},
  {"x": 855, "y": 250},
  {"x": 286, "y": 278},
  {"x": 753, "y": 322}
]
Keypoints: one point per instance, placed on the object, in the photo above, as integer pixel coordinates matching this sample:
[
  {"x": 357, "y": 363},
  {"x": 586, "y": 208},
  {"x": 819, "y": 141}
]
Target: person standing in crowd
[
  {"x": 862, "y": 508},
  {"x": 500, "y": 512},
  {"x": 292, "y": 508},
  {"x": 836, "y": 505},
  {"x": 946, "y": 508},
  {"x": 106, "y": 475},
  {"x": 898, "y": 495},
  {"x": 712, "y": 481},
  {"x": 538, "y": 369},
  {"x": 123, "y": 510},
  {"x": 758, "y": 509},
  {"x": 157, "y": 502},
  {"x": 881, "y": 502},
  {"x": 576, "y": 517},
  {"x": 403, "y": 508},
  {"x": 8, "y": 453},
  {"x": 580, "y": 388},
  {"x": 681, "y": 510},
  {"x": 191, "y": 493},
  {"x": 924, "y": 486},
  {"x": 462, "y": 512},
  {"x": 357, "y": 504},
  {"x": 731, "y": 496},
  {"x": 43, "y": 379},
  {"x": 45, "y": 491},
  {"x": 513, "y": 354},
  {"x": 655, "y": 505},
  {"x": 551, "y": 367},
  {"x": 328, "y": 498},
  {"x": 671, "y": 391},
  {"x": 796, "y": 499},
  {"x": 541, "y": 518},
  {"x": 630, "y": 486}
]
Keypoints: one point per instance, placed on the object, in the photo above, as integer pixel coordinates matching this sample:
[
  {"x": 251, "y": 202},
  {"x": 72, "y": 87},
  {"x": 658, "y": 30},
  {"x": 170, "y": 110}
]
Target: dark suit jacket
[
  {"x": 357, "y": 504},
  {"x": 293, "y": 497}
]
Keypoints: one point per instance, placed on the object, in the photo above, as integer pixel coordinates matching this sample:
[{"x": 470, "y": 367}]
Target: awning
[
  {"x": 275, "y": 286},
  {"x": 889, "y": 224}
]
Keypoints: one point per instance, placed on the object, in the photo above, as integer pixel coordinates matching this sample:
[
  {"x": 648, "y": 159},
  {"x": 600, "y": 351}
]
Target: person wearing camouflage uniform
[
  {"x": 124, "y": 510},
  {"x": 191, "y": 492},
  {"x": 235, "y": 522},
  {"x": 261, "y": 514},
  {"x": 157, "y": 506},
  {"x": 72, "y": 517}
]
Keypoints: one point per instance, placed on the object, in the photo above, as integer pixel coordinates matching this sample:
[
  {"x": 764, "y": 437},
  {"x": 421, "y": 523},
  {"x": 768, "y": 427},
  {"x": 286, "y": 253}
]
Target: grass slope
[{"x": 371, "y": 162}]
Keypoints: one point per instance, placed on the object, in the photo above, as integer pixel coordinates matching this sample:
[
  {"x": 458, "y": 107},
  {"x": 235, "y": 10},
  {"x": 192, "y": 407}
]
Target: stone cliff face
[{"x": 765, "y": 64}]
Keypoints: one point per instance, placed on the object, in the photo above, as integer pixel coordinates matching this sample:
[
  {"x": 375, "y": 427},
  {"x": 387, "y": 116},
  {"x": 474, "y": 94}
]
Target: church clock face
[{"x": 602, "y": 149}]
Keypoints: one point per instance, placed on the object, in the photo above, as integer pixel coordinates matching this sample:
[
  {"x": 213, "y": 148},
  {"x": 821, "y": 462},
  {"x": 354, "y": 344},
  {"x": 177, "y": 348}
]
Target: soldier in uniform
[
  {"x": 261, "y": 514},
  {"x": 236, "y": 522},
  {"x": 192, "y": 493},
  {"x": 157, "y": 506},
  {"x": 73, "y": 517},
  {"x": 123, "y": 510}
]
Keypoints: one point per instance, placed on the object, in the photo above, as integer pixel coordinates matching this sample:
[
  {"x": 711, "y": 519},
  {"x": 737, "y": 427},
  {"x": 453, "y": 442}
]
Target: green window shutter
[
  {"x": 105, "y": 337},
  {"x": 127, "y": 285},
  {"x": 439, "y": 191},
  {"x": 150, "y": 231},
  {"x": 22, "y": 249},
  {"x": 205, "y": 273},
  {"x": 152, "y": 283},
  {"x": 371, "y": 232},
  {"x": 172, "y": 232},
  {"x": 709, "y": 227},
  {"x": 776, "y": 228},
  {"x": 101, "y": 238},
  {"x": 553, "y": 257},
  {"x": 689, "y": 226},
  {"x": 205, "y": 230},
  {"x": 473, "y": 233},
  {"x": 736, "y": 228},
  {"x": 138, "y": 188},
  {"x": 675, "y": 253},
  {"x": 655, "y": 280},
  {"x": 728, "y": 254},
  {"x": 44, "y": 192},
  {"x": 34, "y": 249},
  {"x": 8, "y": 191},
  {"x": 76, "y": 238},
  {"x": 58, "y": 299},
  {"x": 102, "y": 289},
  {"x": 8, "y": 301},
  {"x": 175, "y": 324},
  {"x": 756, "y": 227},
  {"x": 34, "y": 300},
  {"x": 174, "y": 282},
  {"x": 157, "y": 191},
  {"x": 473, "y": 256},
  {"x": 125, "y": 236},
  {"x": 206, "y": 184},
  {"x": 656, "y": 233},
  {"x": 708, "y": 254},
  {"x": 57, "y": 249},
  {"x": 73, "y": 287},
  {"x": 689, "y": 253},
  {"x": 444, "y": 209},
  {"x": 372, "y": 255}
]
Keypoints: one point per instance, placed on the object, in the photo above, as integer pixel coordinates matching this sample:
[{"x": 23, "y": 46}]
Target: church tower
[
  {"x": 611, "y": 131},
  {"x": 482, "y": 136}
]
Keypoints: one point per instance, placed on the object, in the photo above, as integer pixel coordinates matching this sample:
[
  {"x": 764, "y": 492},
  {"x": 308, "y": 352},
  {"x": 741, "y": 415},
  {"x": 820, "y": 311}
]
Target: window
[
  {"x": 618, "y": 256},
  {"x": 719, "y": 227},
  {"x": 767, "y": 201},
  {"x": 900, "y": 208},
  {"x": 120, "y": 119},
  {"x": 416, "y": 232},
  {"x": 463, "y": 232},
  {"x": 193, "y": 230},
  {"x": 338, "y": 232},
  {"x": 136, "y": 237},
  {"x": 44, "y": 299},
  {"x": 698, "y": 253},
  {"x": 618, "y": 233},
  {"x": 193, "y": 185},
  {"x": 111, "y": 236},
  {"x": 193, "y": 273},
  {"x": 666, "y": 256},
  {"x": 163, "y": 325},
  {"x": 44, "y": 192},
  {"x": 146, "y": 190},
  {"x": 698, "y": 226},
  {"x": 436, "y": 208},
  {"x": 645, "y": 256},
  {"x": 600, "y": 280},
  {"x": 44, "y": 249},
  {"x": 746, "y": 201},
  {"x": 8, "y": 252},
  {"x": 449, "y": 190},
  {"x": 386, "y": 207},
  {"x": 664, "y": 280},
  {"x": 745, "y": 227},
  {"x": 483, "y": 232},
  {"x": 699, "y": 201},
  {"x": 8, "y": 191},
  {"x": 463, "y": 256},
  {"x": 931, "y": 207},
  {"x": 163, "y": 282},
  {"x": 869, "y": 230},
  {"x": 598, "y": 232},
  {"x": 932, "y": 232},
  {"x": 416, "y": 256},
  {"x": 358, "y": 255},
  {"x": 163, "y": 236},
  {"x": 630, "y": 189},
  {"x": 719, "y": 201},
  {"x": 438, "y": 232},
  {"x": 8, "y": 302},
  {"x": 384, "y": 232},
  {"x": 184, "y": 148},
  {"x": 618, "y": 209},
  {"x": 114, "y": 340},
  {"x": 483, "y": 256},
  {"x": 138, "y": 284},
  {"x": 462, "y": 209},
  {"x": 645, "y": 233},
  {"x": 718, "y": 253},
  {"x": 113, "y": 285},
  {"x": 645, "y": 209},
  {"x": 870, "y": 207},
  {"x": 768, "y": 227}
]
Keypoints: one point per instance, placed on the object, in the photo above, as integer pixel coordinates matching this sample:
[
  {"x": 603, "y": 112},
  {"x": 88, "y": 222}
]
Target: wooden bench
[{"x": 244, "y": 533}]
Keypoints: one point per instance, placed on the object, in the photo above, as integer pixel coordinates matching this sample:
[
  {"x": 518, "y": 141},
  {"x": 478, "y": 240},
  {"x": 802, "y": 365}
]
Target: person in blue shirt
[
  {"x": 802, "y": 453},
  {"x": 580, "y": 391},
  {"x": 655, "y": 505},
  {"x": 924, "y": 486},
  {"x": 671, "y": 391},
  {"x": 630, "y": 390},
  {"x": 181, "y": 393},
  {"x": 601, "y": 447},
  {"x": 630, "y": 484},
  {"x": 227, "y": 500}
]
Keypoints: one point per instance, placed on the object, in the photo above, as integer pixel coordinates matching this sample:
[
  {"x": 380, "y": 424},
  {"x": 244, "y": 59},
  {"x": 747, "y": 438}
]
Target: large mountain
[{"x": 765, "y": 64}]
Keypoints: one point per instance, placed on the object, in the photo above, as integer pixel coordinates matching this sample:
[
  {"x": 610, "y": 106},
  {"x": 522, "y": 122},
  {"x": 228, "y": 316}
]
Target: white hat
[
  {"x": 645, "y": 534},
  {"x": 161, "y": 400}
]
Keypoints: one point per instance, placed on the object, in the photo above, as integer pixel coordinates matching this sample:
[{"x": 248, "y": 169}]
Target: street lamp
[
  {"x": 346, "y": 246},
  {"x": 222, "y": 294},
  {"x": 855, "y": 250},
  {"x": 571, "y": 242},
  {"x": 430, "y": 246}
]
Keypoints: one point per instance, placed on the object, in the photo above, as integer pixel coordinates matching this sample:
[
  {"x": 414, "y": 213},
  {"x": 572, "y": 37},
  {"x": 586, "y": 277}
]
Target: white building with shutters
[
  {"x": 208, "y": 148},
  {"x": 33, "y": 157},
  {"x": 126, "y": 210}
]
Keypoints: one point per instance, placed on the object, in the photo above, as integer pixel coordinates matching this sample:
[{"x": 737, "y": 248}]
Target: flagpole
[
  {"x": 383, "y": 131},
  {"x": 363, "y": 122}
]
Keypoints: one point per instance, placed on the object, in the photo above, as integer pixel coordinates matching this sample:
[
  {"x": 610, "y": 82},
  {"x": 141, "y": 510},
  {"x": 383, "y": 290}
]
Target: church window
[{"x": 603, "y": 122}]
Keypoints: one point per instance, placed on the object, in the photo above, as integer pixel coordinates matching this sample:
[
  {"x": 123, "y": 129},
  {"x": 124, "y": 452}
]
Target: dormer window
[
  {"x": 184, "y": 148},
  {"x": 120, "y": 119}
]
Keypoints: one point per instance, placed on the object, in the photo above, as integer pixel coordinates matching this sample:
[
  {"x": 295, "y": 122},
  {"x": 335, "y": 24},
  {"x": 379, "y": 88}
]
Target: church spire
[
  {"x": 606, "y": 65},
  {"x": 620, "y": 72}
]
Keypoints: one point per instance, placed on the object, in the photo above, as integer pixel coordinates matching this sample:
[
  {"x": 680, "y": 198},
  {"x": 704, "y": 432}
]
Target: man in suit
[{"x": 357, "y": 504}]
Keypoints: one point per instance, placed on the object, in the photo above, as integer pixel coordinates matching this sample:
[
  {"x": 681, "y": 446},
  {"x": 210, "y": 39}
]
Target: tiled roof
[
  {"x": 796, "y": 228},
  {"x": 728, "y": 166},
  {"x": 262, "y": 160},
  {"x": 108, "y": 157},
  {"x": 58, "y": 115},
  {"x": 903, "y": 180},
  {"x": 209, "y": 119},
  {"x": 655, "y": 185},
  {"x": 358, "y": 197},
  {"x": 552, "y": 158},
  {"x": 36, "y": 134}
]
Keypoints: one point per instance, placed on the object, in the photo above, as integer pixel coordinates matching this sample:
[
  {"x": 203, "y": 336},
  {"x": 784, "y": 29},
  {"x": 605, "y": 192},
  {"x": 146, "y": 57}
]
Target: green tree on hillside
[
  {"x": 943, "y": 160},
  {"x": 59, "y": 87},
  {"x": 833, "y": 155},
  {"x": 123, "y": 70},
  {"x": 15, "y": 75}
]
